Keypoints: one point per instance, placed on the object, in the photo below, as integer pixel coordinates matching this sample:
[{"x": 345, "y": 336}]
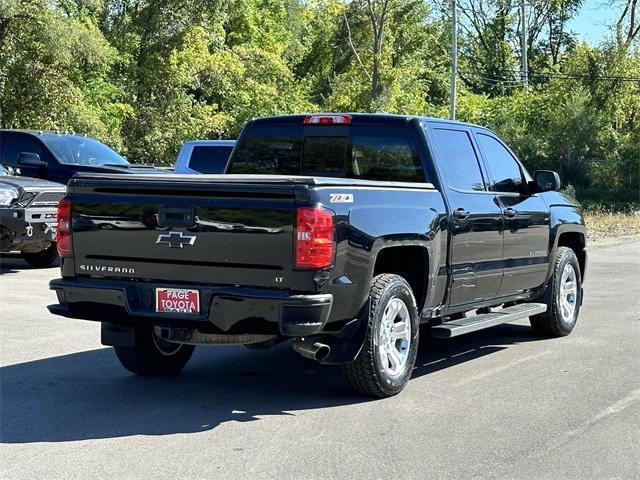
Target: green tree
[{"x": 54, "y": 72}]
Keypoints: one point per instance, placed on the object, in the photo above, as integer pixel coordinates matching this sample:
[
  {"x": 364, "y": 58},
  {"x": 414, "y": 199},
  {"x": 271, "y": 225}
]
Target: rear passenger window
[
  {"x": 458, "y": 159},
  {"x": 210, "y": 159},
  {"x": 505, "y": 171}
]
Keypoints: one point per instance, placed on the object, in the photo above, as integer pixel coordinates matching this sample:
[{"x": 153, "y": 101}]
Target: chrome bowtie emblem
[{"x": 176, "y": 239}]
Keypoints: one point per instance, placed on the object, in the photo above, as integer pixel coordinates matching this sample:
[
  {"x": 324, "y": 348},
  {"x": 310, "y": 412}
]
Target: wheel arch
[
  {"x": 410, "y": 262},
  {"x": 577, "y": 242},
  {"x": 568, "y": 230}
]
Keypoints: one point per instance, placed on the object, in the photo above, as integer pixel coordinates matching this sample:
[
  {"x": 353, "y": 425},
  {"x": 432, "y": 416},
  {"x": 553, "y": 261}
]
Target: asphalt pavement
[{"x": 500, "y": 403}]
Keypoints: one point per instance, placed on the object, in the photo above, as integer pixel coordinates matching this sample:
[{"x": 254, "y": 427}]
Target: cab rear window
[
  {"x": 210, "y": 158},
  {"x": 363, "y": 152}
]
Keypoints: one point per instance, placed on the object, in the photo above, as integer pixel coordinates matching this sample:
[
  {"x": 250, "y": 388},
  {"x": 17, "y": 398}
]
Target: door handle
[
  {"x": 460, "y": 213},
  {"x": 510, "y": 212}
]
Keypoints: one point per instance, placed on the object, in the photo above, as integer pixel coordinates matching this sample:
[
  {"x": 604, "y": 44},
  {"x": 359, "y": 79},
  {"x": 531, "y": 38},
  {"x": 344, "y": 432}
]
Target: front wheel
[
  {"x": 563, "y": 297},
  {"x": 43, "y": 259},
  {"x": 154, "y": 356},
  {"x": 384, "y": 365}
]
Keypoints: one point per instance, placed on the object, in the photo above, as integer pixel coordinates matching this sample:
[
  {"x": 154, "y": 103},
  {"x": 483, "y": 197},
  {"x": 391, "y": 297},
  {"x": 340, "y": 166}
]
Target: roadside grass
[{"x": 604, "y": 224}]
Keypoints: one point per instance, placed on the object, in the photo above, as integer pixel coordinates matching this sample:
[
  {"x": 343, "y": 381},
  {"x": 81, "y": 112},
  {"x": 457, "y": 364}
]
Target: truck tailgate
[{"x": 176, "y": 229}]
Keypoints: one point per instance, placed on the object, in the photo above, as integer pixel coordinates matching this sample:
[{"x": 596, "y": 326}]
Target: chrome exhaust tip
[{"x": 310, "y": 349}]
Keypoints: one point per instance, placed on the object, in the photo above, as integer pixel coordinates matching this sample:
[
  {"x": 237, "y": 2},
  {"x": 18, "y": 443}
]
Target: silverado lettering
[
  {"x": 106, "y": 269},
  {"x": 342, "y": 233}
]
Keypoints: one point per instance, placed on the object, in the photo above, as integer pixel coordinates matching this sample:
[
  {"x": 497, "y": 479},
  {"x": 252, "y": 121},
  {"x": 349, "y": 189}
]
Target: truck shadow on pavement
[
  {"x": 88, "y": 395},
  {"x": 12, "y": 263}
]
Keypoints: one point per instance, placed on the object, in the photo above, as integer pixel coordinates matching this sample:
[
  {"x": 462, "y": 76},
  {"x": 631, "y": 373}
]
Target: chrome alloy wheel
[
  {"x": 568, "y": 295},
  {"x": 394, "y": 337}
]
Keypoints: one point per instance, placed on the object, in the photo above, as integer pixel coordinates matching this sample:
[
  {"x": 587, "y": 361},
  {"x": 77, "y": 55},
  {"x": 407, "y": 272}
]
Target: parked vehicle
[
  {"x": 58, "y": 156},
  {"x": 204, "y": 156},
  {"x": 28, "y": 208},
  {"x": 340, "y": 232}
]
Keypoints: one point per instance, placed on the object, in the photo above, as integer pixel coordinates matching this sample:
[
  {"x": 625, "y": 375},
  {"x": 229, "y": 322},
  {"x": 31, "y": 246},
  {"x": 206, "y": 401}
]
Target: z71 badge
[{"x": 341, "y": 197}]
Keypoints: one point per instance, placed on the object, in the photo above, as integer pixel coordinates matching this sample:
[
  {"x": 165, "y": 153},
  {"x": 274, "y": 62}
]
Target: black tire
[
  {"x": 44, "y": 259},
  {"x": 153, "y": 356},
  {"x": 554, "y": 322},
  {"x": 366, "y": 373}
]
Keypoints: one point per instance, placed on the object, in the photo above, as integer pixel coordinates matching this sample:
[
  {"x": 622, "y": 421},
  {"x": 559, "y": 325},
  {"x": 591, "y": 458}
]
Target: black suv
[{"x": 58, "y": 156}]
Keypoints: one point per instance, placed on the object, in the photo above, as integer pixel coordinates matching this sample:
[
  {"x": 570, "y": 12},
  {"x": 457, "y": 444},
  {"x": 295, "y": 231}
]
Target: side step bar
[{"x": 486, "y": 320}]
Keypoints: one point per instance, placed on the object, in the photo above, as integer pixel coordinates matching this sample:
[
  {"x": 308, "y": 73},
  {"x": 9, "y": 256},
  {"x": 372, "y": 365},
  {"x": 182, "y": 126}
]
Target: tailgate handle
[{"x": 175, "y": 216}]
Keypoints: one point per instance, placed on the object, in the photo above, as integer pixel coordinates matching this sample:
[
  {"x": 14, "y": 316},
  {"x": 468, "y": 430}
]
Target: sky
[{"x": 593, "y": 22}]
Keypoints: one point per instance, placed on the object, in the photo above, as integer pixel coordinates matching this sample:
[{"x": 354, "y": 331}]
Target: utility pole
[
  {"x": 523, "y": 44},
  {"x": 454, "y": 59}
]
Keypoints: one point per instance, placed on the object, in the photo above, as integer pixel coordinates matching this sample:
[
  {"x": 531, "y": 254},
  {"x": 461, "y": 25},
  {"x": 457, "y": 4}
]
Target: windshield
[{"x": 73, "y": 150}]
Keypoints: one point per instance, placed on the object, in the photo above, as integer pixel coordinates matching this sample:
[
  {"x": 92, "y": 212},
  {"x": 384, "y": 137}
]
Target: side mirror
[
  {"x": 30, "y": 159},
  {"x": 547, "y": 180}
]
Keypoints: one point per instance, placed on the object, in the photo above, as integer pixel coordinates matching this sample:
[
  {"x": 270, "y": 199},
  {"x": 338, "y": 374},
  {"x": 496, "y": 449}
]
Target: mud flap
[
  {"x": 118, "y": 335},
  {"x": 346, "y": 344}
]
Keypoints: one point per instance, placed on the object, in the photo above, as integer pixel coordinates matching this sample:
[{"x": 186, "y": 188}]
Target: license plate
[{"x": 177, "y": 300}]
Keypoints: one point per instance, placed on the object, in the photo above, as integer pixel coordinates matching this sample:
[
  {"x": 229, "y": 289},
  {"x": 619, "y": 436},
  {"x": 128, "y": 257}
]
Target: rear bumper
[{"x": 223, "y": 309}]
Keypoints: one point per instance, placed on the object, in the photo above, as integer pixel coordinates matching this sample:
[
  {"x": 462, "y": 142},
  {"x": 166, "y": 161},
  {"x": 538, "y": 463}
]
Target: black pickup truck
[
  {"x": 28, "y": 208},
  {"x": 57, "y": 156},
  {"x": 340, "y": 232}
]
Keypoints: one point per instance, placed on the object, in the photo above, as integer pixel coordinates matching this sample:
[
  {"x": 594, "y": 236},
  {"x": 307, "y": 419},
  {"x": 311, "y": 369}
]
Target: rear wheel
[
  {"x": 384, "y": 365},
  {"x": 43, "y": 259},
  {"x": 563, "y": 297},
  {"x": 154, "y": 356}
]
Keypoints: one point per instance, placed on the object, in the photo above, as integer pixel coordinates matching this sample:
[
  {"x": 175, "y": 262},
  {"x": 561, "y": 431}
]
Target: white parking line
[
  {"x": 612, "y": 409},
  {"x": 493, "y": 371}
]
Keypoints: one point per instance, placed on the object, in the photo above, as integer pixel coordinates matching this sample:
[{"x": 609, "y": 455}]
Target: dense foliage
[{"x": 146, "y": 75}]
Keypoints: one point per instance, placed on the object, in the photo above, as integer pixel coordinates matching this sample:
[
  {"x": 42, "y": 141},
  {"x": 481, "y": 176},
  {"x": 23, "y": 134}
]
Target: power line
[
  {"x": 562, "y": 76},
  {"x": 586, "y": 76},
  {"x": 492, "y": 78},
  {"x": 492, "y": 81}
]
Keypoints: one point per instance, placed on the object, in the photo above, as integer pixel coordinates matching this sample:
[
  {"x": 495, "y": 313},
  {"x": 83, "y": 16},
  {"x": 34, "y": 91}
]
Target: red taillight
[
  {"x": 327, "y": 120},
  {"x": 315, "y": 238},
  {"x": 63, "y": 232}
]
